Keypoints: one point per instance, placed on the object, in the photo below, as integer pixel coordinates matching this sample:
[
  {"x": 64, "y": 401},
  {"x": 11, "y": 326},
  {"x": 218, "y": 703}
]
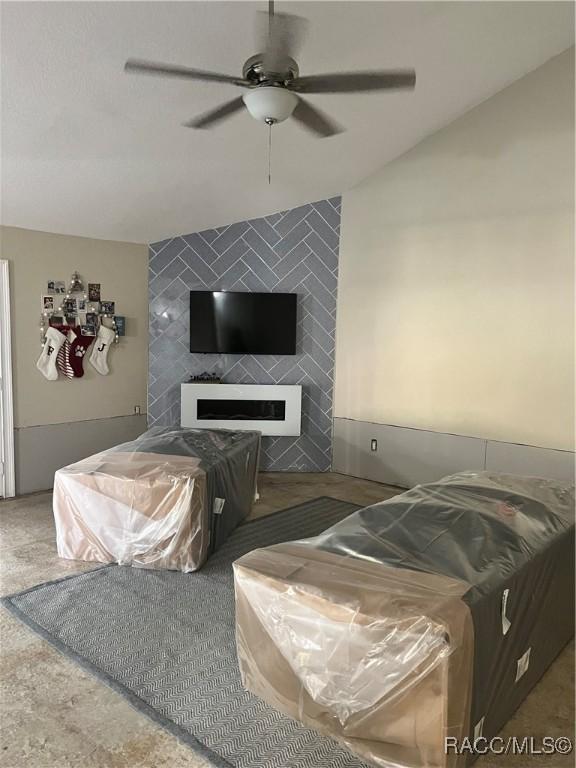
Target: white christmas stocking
[
  {"x": 99, "y": 356},
  {"x": 47, "y": 361}
]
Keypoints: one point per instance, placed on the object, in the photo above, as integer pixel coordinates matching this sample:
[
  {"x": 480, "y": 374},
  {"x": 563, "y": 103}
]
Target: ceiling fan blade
[
  {"x": 314, "y": 120},
  {"x": 173, "y": 70},
  {"x": 281, "y": 36},
  {"x": 348, "y": 82},
  {"x": 208, "y": 119}
]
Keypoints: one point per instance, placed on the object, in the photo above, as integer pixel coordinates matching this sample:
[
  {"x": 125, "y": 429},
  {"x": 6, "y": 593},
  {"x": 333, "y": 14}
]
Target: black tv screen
[{"x": 236, "y": 323}]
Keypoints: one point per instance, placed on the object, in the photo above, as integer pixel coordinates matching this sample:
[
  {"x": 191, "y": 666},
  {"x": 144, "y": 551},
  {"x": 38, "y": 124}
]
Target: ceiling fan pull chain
[{"x": 270, "y": 152}]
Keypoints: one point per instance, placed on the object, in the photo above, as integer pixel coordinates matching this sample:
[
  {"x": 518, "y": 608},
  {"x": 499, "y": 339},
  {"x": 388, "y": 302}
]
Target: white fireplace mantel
[{"x": 193, "y": 406}]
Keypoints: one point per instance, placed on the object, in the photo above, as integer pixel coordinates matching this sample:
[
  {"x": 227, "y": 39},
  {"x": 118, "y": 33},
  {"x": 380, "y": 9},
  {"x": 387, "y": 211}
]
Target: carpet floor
[{"x": 165, "y": 640}]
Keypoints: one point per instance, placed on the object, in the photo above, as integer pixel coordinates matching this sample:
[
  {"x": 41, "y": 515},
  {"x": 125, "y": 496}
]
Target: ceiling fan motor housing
[
  {"x": 254, "y": 71},
  {"x": 270, "y": 103}
]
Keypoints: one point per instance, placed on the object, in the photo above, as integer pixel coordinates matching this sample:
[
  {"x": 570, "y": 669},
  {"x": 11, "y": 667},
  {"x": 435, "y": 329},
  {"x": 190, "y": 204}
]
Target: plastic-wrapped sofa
[
  {"x": 165, "y": 500},
  {"x": 427, "y": 617}
]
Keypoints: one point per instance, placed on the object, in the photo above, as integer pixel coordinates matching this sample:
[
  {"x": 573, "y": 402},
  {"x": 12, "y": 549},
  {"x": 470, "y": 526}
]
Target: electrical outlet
[
  {"x": 374, "y": 444},
  {"x": 137, "y": 410}
]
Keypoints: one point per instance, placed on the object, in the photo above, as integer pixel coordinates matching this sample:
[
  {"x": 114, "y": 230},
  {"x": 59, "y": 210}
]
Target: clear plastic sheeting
[
  {"x": 471, "y": 526},
  {"x": 366, "y": 654},
  {"x": 385, "y": 632},
  {"x": 165, "y": 500}
]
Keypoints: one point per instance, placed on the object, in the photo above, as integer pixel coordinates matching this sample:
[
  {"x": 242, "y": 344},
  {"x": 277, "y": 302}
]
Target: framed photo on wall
[
  {"x": 107, "y": 307},
  {"x": 69, "y": 306},
  {"x": 47, "y": 303},
  {"x": 120, "y": 324}
]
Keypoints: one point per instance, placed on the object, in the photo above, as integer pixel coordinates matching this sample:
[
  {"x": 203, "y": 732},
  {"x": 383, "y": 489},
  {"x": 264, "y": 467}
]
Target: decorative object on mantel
[
  {"x": 205, "y": 378},
  {"x": 71, "y": 321}
]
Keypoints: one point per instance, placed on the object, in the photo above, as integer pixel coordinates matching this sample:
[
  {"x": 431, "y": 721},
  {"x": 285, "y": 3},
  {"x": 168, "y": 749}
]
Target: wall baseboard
[
  {"x": 406, "y": 457},
  {"x": 41, "y": 450}
]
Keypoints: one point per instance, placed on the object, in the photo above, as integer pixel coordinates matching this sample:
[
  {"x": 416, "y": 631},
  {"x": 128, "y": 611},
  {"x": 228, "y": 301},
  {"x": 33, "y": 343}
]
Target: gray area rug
[{"x": 165, "y": 640}]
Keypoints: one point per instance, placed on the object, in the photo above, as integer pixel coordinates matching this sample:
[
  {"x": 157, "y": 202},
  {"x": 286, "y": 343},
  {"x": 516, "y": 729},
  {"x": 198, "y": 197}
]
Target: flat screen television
[{"x": 236, "y": 323}]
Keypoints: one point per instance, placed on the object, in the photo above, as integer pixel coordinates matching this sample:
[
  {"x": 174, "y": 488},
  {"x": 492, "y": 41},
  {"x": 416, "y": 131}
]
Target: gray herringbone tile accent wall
[{"x": 292, "y": 251}]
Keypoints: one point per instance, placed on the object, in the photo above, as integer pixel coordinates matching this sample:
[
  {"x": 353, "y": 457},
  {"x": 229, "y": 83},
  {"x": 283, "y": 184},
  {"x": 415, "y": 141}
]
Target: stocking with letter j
[{"x": 99, "y": 355}]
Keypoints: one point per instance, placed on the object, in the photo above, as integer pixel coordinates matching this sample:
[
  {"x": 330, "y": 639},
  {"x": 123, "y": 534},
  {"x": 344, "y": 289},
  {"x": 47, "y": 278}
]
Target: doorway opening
[{"x": 7, "y": 472}]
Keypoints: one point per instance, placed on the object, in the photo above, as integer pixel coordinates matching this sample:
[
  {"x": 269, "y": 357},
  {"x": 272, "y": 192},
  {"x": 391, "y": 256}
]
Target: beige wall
[
  {"x": 59, "y": 422},
  {"x": 456, "y": 288},
  {"x": 121, "y": 268}
]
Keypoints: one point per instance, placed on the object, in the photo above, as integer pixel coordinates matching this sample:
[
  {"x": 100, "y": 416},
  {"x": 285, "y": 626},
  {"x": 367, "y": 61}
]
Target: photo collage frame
[{"x": 78, "y": 306}]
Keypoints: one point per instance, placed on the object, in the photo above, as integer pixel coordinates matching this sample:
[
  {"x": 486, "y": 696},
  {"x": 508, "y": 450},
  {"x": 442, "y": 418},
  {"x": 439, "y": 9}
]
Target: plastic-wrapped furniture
[
  {"x": 428, "y": 616},
  {"x": 165, "y": 500}
]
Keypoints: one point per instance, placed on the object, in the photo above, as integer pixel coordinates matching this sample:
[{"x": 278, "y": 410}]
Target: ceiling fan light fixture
[{"x": 270, "y": 103}]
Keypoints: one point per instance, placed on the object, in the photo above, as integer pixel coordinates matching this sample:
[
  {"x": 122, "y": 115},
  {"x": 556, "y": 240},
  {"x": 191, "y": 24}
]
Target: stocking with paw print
[{"x": 78, "y": 349}]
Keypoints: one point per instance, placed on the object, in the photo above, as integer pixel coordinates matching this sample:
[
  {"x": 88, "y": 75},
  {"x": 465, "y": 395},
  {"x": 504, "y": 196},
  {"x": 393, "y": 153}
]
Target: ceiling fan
[{"x": 273, "y": 80}]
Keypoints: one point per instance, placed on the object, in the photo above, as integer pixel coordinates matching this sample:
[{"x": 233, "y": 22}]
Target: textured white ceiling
[{"x": 89, "y": 150}]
